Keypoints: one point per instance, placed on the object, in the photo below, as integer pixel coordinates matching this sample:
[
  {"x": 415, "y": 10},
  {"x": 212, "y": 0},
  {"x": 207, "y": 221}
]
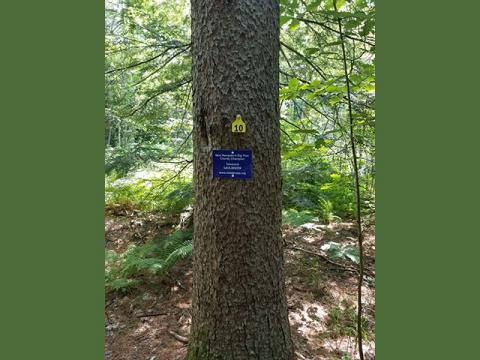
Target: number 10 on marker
[{"x": 238, "y": 126}]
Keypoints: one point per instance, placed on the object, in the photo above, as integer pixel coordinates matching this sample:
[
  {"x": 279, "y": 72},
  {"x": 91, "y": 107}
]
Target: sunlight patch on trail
[{"x": 311, "y": 319}]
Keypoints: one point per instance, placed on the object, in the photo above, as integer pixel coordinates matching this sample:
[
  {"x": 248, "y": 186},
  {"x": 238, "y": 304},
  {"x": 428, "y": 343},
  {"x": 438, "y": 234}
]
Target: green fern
[
  {"x": 293, "y": 217},
  {"x": 169, "y": 250},
  {"x": 155, "y": 258},
  {"x": 326, "y": 210}
]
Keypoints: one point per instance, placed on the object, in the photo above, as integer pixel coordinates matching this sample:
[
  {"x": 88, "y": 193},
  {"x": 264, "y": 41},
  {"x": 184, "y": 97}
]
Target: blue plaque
[{"x": 232, "y": 164}]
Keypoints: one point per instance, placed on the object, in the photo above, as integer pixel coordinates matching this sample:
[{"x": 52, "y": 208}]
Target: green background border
[
  {"x": 427, "y": 180},
  {"x": 51, "y": 259}
]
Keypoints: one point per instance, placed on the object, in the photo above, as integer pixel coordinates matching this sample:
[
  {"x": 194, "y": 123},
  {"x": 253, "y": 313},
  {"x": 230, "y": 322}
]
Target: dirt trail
[{"x": 321, "y": 297}]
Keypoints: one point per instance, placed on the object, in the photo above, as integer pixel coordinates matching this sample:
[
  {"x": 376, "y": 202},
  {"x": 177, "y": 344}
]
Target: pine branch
[{"x": 165, "y": 89}]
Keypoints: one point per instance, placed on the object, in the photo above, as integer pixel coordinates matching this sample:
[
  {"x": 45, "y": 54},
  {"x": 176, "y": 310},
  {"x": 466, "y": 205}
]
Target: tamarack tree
[{"x": 239, "y": 303}]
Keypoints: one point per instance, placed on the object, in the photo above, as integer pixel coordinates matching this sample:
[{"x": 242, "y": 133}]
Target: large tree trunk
[{"x": 239, "y": 301}]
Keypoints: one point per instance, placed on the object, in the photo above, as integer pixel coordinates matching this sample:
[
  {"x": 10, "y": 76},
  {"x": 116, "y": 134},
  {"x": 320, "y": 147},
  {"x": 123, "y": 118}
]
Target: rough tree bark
[{"x": 239, "y": 302}]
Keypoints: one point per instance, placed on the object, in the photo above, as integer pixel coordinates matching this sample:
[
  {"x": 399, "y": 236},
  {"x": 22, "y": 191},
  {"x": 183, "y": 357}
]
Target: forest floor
[{"x": 153, "y": 321}]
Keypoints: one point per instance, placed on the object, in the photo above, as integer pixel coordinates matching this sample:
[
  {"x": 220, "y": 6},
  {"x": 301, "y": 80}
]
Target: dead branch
[
  {"x": 151, "y": 315},
  {"x": 180, "y": 338},
  {"x": 324, "y": 257}
]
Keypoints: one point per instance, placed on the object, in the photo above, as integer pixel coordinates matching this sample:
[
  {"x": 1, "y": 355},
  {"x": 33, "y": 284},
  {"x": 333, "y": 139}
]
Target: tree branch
[
  {"x": 167, "y": 88},
  {"x": 165, "y": 63},
  {"x": 307, "y": 60},
  {"x": 147, "y": 60},
  {"x": 325, "y": 26}
]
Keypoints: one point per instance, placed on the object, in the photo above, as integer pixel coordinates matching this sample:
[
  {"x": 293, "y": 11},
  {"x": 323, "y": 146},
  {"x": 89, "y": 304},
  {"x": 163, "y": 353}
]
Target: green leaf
[
  {"x": 335, "y": 88},
  {"x": 284, "y": 19},
  {"x": 316, "y": 83},
  {"x": 360, "y": 15},
  {"x": 319, "y": 143},
  {"x": 368, "y": 27},
  {"x": 340, "y": 3},
  {"x": 333, "y": 249},
  {"x": 361, "y": 4},
  {"x": 351, "y": 24},
  {"x": 355, "y": 78},
  {"x": 326, "y": 186},
  {"x": 314, "y": 5},
  {"x": 335, "y": 100},
  {"x": 294, "y": 24},
  {"x": 368, "y": 87},
  {"x": 311, "y": 51},
  {"x": 329, "y": 4},
  {"x": 336, "y": 251},
  {"x": 293, "y": 84},
  {"x": 351, "y": 252}
]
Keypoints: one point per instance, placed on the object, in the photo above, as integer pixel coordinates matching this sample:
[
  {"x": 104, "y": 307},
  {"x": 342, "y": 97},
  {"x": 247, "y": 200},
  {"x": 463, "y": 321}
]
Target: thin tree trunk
[
  {"x": 357, "y": 191},
  {"x": 239, "y": 302},
  {"x": 109, "y": 141},
  {"x": 119, "y": 129}
]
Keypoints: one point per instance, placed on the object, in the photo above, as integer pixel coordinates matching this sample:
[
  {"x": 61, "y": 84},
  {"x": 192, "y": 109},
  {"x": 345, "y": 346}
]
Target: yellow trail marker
[{"x": 238, "y": 126}]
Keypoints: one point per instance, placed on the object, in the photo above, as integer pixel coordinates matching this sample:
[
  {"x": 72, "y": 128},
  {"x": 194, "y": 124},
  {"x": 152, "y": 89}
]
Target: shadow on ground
[{"x": 152, "y": 321}]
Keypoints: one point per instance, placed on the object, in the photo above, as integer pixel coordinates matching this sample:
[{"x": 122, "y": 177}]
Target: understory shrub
[
  {"x": 124, "y": 270},
  {"x": 296, "y": 218},
  {"x": 317, "y": 188},
  {"x": 160, "y": 194}
]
